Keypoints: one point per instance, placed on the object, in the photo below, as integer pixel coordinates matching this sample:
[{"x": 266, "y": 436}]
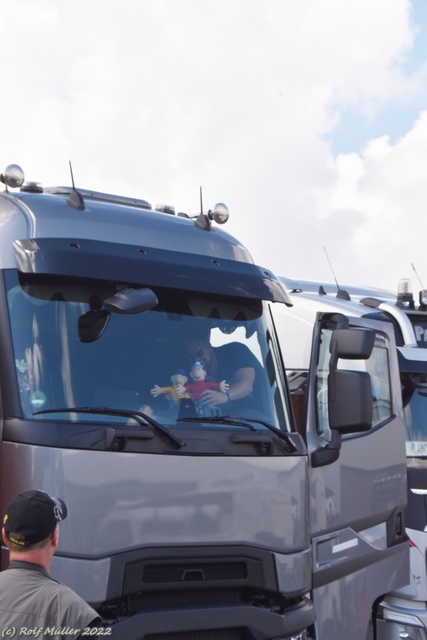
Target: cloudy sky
[{"x": 308, "y": 118}]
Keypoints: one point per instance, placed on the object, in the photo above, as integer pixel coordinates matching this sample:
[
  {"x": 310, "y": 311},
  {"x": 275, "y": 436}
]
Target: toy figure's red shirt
[{"x": 197, "y": 388}]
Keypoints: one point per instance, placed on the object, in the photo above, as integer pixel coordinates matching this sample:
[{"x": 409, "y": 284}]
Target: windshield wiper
[
  {"x": 136, "y": 415},
  {"x": 244, "y": 422},
  {"x": 236, "y": 422}
]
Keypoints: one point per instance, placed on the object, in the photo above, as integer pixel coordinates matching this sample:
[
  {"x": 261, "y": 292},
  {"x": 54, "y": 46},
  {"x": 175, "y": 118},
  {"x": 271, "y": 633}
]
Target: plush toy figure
[
  {"x": 199, "y": 385},
  {"x": 178, "y": 380}
]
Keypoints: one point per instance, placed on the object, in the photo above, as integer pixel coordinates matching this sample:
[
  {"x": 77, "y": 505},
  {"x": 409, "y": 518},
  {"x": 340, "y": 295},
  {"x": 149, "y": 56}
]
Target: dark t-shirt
[{"x": 230, "y": 358}]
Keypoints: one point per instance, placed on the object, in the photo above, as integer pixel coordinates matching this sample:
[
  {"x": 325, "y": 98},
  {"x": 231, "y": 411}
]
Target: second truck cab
[{"x": 403, "y": 613}]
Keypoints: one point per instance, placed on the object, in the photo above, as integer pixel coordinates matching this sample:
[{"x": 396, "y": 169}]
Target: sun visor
[
  {"x": 147, "y": 266},
  {"x": 412, "y": 359}
]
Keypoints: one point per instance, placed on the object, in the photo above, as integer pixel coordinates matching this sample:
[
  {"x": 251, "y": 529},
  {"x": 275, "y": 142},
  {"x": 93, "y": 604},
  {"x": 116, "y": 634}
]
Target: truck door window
[
  {"x": 378, "y": 368},
  {"x": 414, "y": 394}
]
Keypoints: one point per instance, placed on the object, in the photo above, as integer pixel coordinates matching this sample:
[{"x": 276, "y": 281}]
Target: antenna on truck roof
[
  {"x": 340, "y": 292},
  {"x": 75, "y": 199},
  {"x": 332, "y": 269},
  {"x": 416, "y": 273}
]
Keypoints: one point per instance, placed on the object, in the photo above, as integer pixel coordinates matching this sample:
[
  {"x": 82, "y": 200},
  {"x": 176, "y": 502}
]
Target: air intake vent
[
  {"x": 206, "y": 571},
  {"x": 186, "y": 573}
]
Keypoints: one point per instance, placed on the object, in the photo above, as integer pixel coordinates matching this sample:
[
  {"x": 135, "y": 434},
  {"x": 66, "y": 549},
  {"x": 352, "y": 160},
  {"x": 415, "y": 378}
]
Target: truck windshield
[
  {"x": 188, "y": 356},
  {"x": 414, "y": 392}
]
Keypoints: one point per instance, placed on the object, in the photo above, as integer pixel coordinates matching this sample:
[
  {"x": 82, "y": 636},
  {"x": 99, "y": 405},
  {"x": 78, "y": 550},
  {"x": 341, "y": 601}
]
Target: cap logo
[{"x": 57, "y": 510}]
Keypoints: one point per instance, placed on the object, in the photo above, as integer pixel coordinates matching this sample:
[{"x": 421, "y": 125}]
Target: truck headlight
[{"x": 405, "y": 626}]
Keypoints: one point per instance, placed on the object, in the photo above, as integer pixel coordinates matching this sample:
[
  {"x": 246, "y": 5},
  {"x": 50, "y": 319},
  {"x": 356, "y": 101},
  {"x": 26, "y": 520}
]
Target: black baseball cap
[{"x": 33, "y": 515}]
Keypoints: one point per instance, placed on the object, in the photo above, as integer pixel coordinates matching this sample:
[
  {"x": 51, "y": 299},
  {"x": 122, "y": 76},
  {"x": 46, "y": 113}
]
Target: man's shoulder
[
  {"x": 24, "y": 573},
  {"x": 55, "y": 601},
  {"x": 29, "y": 575},
  {"x": 71, "y": 603},
  {"x": 47, "y": 585},
  {"x": 64, "y": 592}
]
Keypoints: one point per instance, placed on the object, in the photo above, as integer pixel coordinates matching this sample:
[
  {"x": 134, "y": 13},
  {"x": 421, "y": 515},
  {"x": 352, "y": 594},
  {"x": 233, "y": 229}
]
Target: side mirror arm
[{"x": 329, "y": 453}]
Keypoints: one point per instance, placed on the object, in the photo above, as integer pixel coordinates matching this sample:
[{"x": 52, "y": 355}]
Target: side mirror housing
[{"x": 352, "y": 344}]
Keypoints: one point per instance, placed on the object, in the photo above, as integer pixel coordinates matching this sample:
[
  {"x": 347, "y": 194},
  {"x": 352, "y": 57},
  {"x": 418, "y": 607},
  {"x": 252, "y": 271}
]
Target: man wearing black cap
[{"x": 31, "y": 602}]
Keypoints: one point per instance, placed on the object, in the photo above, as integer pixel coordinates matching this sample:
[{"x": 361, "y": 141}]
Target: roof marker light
[{"x": 165, "y": 208}]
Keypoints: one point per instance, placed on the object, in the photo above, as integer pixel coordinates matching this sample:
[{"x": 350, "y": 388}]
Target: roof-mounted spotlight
[
  {"x": 219, "y": 214},
  {"x": 13, "y": 176}
]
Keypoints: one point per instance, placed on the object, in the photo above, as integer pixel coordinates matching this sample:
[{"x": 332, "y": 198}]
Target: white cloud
[
  {"x": 384, "y": 190},
  {"x": 153, "y": 98}
]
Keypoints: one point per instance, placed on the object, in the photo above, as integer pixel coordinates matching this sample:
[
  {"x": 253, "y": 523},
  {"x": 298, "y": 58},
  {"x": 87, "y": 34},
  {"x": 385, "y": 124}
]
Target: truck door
[{"x": 356, "y": 441}]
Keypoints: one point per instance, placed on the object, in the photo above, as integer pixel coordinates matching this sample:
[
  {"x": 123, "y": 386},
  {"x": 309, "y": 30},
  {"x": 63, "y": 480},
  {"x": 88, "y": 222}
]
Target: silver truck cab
[{"x": 185, "y": 520}]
